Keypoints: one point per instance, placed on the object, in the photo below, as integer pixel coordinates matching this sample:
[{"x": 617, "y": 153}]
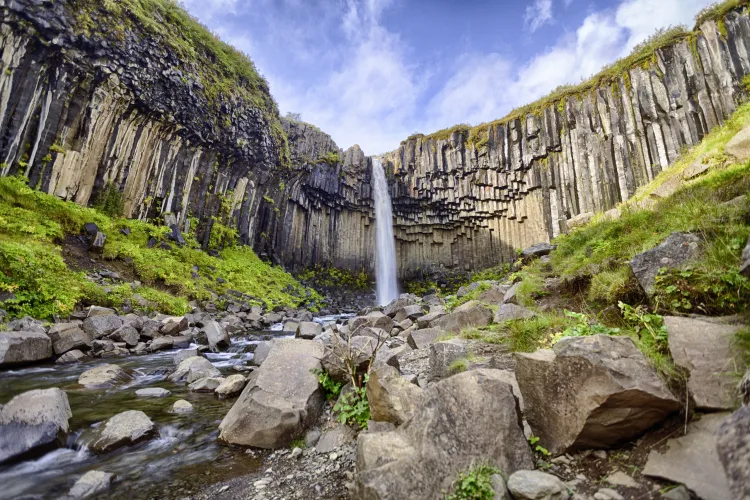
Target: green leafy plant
[
  {"x": 534, "y": 442},
  {"x": 583, "y": 327},
  {"x": 353, "y": 407},
  {"x": 331, "y": 388},
  {"x": 475, "y": 484},
  {"x": 110, "y": 201},
  {"x": 298, "y": 443}
]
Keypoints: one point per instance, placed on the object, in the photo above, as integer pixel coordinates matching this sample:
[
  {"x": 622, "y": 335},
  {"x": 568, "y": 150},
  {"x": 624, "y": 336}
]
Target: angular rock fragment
[
  {"x": 105, "y": 375},
  {"x": 92, "y": 483},
  {"x": 24, "y": 347},
  {"x": 733, "y": 446},
  {"x": 191, "y": 369},
  {"x": 124, "y": 429},
  {"x": 474, "y": 316},
  {"x": 390, "y": 396},
  {"x": 677, "y": 250}
]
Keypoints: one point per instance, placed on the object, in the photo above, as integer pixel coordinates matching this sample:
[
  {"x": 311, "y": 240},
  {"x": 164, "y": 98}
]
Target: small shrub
[
  {"x": 110, "y": 201},
  {"x": 353, "y": 408},
  {"x": 459, "y": 366},
  {"x": 298, "y": 443},
  {"x": 474, "y": 484}
]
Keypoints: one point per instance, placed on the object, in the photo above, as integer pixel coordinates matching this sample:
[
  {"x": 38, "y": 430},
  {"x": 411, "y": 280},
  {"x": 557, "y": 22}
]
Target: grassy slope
[
  {"x": 33, "y": 225},
  {"x": 592, "y": 262}
]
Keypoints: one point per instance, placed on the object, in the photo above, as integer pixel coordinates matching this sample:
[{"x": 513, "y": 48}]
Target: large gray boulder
[
  {"x": 421, "y": 339},
  {"x": 100, "y": 326},
  {"x": 281, "y": 400},
  {"x": 373, "y": 320},
  {"x": 308, "y": 330},
  {"x": 32, "y": 423},
  {"x": 127, "y": 334},
  {"x": 536, "y": 485},
  {"x": 105, "y": 375},
  {"x": 536, "y": 251},
  {"x": 511, "y": 312},
  {"x": 463, "y": 420},
  {"x": 390, "y": 396},
  {"x": 704, "y": 347},
  {"x": 739, "y": 145},
  {"x": 231, "y": 386},
  {"x": 678, "y": 249},
  {"x": 468, "y": 317},
  {"x": 693, "y": 460},
  {"x": 443, "y": 355},
  {"x": 591, "y": 392},
  {"x": 403, "y": 301},
  {"x": 733, "y": 446},
  {"x": 124, "y": 429},
  {"x": 68, "y": 336},
  {"x": 24, "y": 347},
  {"x": 92, "y": 483},
  {"x": 217, "y": 337},
  {"x": 261, "y": 352},
  {"x": 192, "y": 369}
]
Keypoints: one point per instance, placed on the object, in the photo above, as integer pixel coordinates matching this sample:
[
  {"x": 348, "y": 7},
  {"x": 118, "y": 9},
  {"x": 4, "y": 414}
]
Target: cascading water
[{"x": 385, "y": 250}]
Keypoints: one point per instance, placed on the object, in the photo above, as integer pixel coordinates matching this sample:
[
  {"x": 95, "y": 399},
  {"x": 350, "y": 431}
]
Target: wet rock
[
  {"x": 103, "y": 376},
  {"x": 464, "y": 419},
  {"x": 511, "y": 312},
  {"x": 92, "y": 483},
  {"x": 308, "y": 330},
  {"x": 705, "y": 348},
  {"x": 733, "y": 446},
  {"x": 24, "y": 347},
  {"x": 32, "y": 423},
  {"x": 591, "y": 392},
  {"x": 334, "y": 439},
  {"x": 153, "y": 392},
  {"x": 536, "y": 485},
  {"x": 194, "y": 368},
  {"x": 124, "y": 429},
  {"x": 422, "y": 339},
  {"x": 161, "y": 344},
  {"x": 126, "y": 334},
  {"x": 281, "y": 400},
  {"x": 290, "y": 326},
  {"x": 206, "y": 384},
  {"x": 68, "y": 336},
  {"x": 677, "y": 250},
  {"x": 390, "y": 396},
  {"x": 231, "y": 386},
  {"x": 474, "y": 316},
  {"x": 217, "y": 337},
  {"x": 184, "y": 354},
  {"x": 443, "y": 355},
  {"x": 100, "y": 326},
  {"x": 536, "y": 251},
  {"x": 182, "y": 406},
  {"x": 693, "y": 460},
  {"x": 74, "y": 356}
]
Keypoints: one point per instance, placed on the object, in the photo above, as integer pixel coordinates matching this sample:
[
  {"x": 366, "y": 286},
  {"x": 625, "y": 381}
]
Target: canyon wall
[{"x": 81, "y": 109}]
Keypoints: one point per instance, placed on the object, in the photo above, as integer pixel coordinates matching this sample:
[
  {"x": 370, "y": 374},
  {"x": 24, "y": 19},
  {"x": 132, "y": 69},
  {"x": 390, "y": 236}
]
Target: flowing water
[
  {"x": 385, "y": 249},
  {"x": 185, "y": 458}
]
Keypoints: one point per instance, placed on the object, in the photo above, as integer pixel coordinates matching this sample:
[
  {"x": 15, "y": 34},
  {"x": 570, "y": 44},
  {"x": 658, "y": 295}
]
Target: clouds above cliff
[{"x": 372, "y": 72}]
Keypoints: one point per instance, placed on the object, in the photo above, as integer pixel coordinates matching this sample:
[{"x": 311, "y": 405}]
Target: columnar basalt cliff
[{"x": 87, "y": 100}]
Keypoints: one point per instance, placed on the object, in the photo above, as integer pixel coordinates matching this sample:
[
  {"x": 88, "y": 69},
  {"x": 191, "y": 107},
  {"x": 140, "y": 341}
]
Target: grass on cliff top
[
  {"x": 643, "y": 55},
  {"x": 34, "y": 224},
  {"x": 223, "y": 69}
]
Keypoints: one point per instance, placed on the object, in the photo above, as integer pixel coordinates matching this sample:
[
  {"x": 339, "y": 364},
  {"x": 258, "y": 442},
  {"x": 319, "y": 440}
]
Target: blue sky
[{"x": 372, "y": 72}]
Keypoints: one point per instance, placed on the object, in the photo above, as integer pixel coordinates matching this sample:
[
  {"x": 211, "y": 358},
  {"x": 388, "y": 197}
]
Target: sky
[{"x": 373, "y": 72}]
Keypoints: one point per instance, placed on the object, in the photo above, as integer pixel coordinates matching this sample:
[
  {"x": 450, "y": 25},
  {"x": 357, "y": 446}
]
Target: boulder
[
  {"x": 536, "y": 485},
  {"x": 395, "y": 305},
  {"x": 390, "y": 396},
  {"x": 181, "y": 356},
  {"x": 103, "y": 376},
  {"x": 308, "y": 330},
  {"x": 494, "y": 295},
  {"x": 705, "y": 348},
  {"x": 733, "y": 446},
  {"x": 182, "y": 406},
  {"x": 96, "y": 244},
  {"x": 126, "y": 334},
  {"x": 261, "y": 352},
  {"x": 231, "y": 386},
  {"x": 192, "y": 369},
  {"x": 100, "y": 326},
  {"x": 161, "y": 344},
  {"x": 24, "y": 347},
  {"x": 511, "y": 295},
  {"x": 206, "y": 384},
  {"x": 32, "y": 423},
  {"x": 667, "y": 188},
  {"x": 472, "y": 417},
  {"x": 74, "y": 356},
  {"x": 474, "y": 316},
  {"x": 591, "y": 392},
  {"x": 443, "y": 355},
  {"x": 677, "y": 250},
  {"x": 335, "y": 438},
  {"x": 739, "y": 145},
  {"x": 68, "y": 336},
  {"x": 173, "y": 325},
  {"x": 424, "y": 321},
  {"x": 511, "y": 312},
  {"x": 693, "y": 460},
  {"x": 408, "y": 312},
  {"x": 290, "y": 327},
  {"x": 281, "y": 400},
  {"x": 421, "y": 339},
  {"x": 745, "y": 266},
  {"x": 92, "y": 483},
  {"x": 698, "y": 167},
  {"x": 579, "y": 220},
  {"x": 536, "y": 251},
  {"x": 152, "y": 392},
  {"x": 217, "y": 336},
  {"x": 124, "y": 429}
]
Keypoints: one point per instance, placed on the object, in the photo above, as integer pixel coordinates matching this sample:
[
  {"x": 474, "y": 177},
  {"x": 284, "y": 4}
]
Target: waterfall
[{"x": 385, "y": 249}]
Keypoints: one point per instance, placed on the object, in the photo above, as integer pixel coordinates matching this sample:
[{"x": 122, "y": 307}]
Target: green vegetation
[
  {"x": 353, "y": 408},
  {"x": 331, "y": 277},
  {"x": 110, "y": 201},
  {"x": 33, "y": 225},
  {"x": 718, "y": 11},
  {"x": 222, "y": 70},
  {"x": 331, "y": 388},
  {"x": 298, "y": 443},
  {"x": 331, "y": 158},
  {"x": 525, "y": 335},
  {"x": 475, "y": 484},
  {"x": 534, "y": 442}
]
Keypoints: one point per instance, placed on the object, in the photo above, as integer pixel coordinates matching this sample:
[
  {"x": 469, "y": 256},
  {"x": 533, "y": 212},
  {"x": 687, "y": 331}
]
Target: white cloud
[
  {"x": 643, "y": 17},
  {"x": 538, "y": 14}
]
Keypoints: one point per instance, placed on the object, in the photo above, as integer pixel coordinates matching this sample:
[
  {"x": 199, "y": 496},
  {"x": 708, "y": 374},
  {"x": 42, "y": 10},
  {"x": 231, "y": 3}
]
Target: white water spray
[{"x": 385, "y": 267}]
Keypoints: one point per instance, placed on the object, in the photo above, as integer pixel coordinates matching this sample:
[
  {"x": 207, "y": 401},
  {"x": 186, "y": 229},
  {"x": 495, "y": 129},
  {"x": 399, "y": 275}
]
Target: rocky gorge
[{"x": 146, "y": 351}]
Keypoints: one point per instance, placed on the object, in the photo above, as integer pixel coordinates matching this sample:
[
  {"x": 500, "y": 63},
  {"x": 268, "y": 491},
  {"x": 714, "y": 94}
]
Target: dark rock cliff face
[{"x": 78, "y": 112}]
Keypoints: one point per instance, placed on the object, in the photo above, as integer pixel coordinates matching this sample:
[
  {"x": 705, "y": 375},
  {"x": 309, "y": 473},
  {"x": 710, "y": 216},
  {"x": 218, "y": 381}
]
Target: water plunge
[{"x": 385, "y": 249}]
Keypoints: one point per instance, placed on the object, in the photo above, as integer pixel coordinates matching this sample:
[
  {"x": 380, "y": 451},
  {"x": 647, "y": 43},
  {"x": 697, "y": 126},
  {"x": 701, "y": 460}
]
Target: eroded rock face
[
  {"x": 281, "y": 400},
  {"x": 33, "y": 422},
  {"x": 124, "y": 429},
  {"x": 591, "y": 392},
  {"x": 391, "y": 397},
  {"x": 473, "y": 316},
  {"x": 24, "y": 347},
  {"x": 733, "y": 446},
  {"x": 677, "y": 250},
  {"x": 467, "y": 418}
]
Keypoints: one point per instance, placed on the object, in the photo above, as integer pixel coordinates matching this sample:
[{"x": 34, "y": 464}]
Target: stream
[{"x": 185, "y": 458}]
